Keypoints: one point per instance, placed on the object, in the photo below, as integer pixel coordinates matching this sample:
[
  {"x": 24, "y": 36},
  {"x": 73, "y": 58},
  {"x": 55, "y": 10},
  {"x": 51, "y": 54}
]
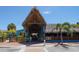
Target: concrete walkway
[
  {"x": 34, "y": 49},
  {"x": 67, "y": 47},
  {"x": 23, "y": 48},
  {"x": 50, "y": 47},
  {"x": 11, "y": 47}
]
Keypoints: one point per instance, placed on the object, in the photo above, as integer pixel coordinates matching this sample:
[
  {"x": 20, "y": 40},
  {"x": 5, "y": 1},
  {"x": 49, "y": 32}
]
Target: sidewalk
[
  {"x": 40, "y": 47},
  {"x": 33, "y": 47},
  {"x": 11, "y": 44}
]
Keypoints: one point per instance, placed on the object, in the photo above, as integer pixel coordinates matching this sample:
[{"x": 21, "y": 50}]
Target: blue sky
[{"x": 51, "y": 14}]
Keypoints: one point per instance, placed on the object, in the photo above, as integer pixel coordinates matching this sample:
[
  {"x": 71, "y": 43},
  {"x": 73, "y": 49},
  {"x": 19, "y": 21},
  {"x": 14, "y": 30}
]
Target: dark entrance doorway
[
  {"x": 34, "y": 32},
  {"x": 34, "y": 37}
]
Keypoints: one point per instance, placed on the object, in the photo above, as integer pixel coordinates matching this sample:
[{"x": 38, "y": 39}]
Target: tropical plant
[
  {"x": 11, "y": 30},
  {"x": 59, "y": 28},
  {"x": 11, "y": 26},
  {"x": 72, "y": 29},
  {"x": 66, "y": 26},
  {"x": 63, "y": 27},
  {"x": 3, "y": 35},
  {"x": 21, "y": 37}
]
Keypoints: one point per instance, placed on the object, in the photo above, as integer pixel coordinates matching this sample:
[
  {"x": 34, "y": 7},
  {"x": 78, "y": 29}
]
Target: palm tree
[
  {"x": 11, "y": 30},
  {"x": 11, "y": 26},
  {"x": 60, "y": 27},
  {"x": 57, "y": 28},
  {"x": 72, "y": 29},
  {"x": 66, "y": 26}
]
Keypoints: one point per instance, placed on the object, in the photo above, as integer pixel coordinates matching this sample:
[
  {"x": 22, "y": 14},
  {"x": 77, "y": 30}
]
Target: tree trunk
[
  {"x": 67, "y": 36},
  {"x": 61, "y": 36},
  {"x": 57, "y": 35}
]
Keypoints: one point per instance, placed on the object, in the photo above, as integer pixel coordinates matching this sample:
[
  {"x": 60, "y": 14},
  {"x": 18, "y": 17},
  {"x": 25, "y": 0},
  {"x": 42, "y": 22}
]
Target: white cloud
[{"x": 47, "y": 12}]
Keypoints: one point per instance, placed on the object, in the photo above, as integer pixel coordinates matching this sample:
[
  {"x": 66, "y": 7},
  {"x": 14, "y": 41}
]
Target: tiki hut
[{"x": 34, "y": 25}]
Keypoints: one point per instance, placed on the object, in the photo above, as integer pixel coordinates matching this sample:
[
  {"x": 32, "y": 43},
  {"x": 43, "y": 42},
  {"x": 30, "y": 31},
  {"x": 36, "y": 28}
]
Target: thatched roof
[
  {"x": 52, "y": 28},
  {"x": 34, "y": 17}
]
